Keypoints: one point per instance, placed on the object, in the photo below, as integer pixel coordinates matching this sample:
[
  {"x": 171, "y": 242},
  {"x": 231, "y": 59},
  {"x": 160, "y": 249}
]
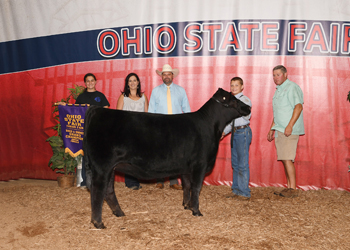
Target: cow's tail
[{"x": 88, "y": 117}]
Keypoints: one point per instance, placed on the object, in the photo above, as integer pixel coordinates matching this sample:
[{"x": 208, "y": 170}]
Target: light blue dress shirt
[
  {"x": 244, "y": 120},
  {"x": 158, "y": 101}
]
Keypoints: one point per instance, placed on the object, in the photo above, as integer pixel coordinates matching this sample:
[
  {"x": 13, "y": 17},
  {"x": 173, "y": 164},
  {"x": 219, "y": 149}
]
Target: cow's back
[{"x": 146, "y": 145}]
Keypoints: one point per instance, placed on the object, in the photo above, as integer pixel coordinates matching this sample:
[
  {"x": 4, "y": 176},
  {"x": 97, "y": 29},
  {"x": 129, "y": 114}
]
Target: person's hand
[
  {"x": 222, "y": 136},
  {"x": 271, "y": 135},
  {"x": 288, "y": 130},
  {"x": 61, "y": 103}
]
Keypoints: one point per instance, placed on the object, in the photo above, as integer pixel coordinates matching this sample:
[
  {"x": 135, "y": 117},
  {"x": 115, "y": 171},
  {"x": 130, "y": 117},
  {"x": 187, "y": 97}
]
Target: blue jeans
[
  {"x": 173, "y": 180},
  {"x": 240, "y": 161}
]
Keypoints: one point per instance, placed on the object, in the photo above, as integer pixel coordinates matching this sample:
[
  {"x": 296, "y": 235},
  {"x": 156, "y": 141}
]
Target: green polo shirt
[{"x": 287, "y": 95}]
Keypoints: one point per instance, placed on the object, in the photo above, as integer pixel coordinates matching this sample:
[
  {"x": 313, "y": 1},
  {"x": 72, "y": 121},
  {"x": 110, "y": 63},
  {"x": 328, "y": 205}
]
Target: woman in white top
[{"x": 132, "y": 99}]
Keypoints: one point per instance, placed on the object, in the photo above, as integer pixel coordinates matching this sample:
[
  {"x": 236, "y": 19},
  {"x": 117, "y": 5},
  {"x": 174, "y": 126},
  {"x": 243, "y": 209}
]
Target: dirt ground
[{"x": 37, "y": 214}]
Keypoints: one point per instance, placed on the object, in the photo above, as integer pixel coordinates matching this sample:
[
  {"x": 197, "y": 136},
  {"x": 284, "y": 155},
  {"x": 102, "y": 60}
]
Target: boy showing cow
[{"x": 241, "y": 137}]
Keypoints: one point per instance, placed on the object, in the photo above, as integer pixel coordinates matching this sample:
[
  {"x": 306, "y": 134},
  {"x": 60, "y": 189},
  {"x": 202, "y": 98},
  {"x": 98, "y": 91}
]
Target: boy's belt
[{"x": 240, "y": 127}]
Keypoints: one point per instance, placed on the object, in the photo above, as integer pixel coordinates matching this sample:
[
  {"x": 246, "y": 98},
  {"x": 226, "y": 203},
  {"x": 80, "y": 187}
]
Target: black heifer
[{"x": 150, "y": 146}]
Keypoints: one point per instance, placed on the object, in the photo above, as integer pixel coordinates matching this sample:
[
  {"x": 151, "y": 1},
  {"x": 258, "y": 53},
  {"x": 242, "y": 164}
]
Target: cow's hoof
[
  {"x": 187, "y": 207},
  {"x": 98, "y": 225},
  {"x": 119, "y": 213},
  {"x": 196, "y": 213}
]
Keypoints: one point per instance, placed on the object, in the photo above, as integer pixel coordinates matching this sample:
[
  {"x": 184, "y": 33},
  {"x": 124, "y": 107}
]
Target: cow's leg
[
  {"x": 196, "y": 186},
  {"x": 186, "y": 186},
  {"x": 86, "y": 162},
  {"x": 111, "y": 199},
  {"x": 97, "y": 192},
  {"x": 88, "y": 177}
]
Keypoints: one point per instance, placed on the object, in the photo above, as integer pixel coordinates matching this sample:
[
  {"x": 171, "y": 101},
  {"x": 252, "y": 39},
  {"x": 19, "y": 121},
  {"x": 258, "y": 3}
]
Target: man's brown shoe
[
  {"x": 241, "y": 198},
  {"x": 160, "y": 185},
  {"x": 290, "y": 193},
  {"x": 278, "y": 193},
  {"x": 176, "y": 186},
  {"x": 231, "y": 195},
  {"x": 237, "y": 197}
]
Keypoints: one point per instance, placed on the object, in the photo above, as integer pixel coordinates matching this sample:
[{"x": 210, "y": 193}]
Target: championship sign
[{"x": 72, "y": 126}]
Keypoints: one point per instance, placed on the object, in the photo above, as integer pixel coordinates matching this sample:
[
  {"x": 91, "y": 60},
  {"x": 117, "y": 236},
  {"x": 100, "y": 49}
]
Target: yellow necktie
[{"x": 168, "y": 100}]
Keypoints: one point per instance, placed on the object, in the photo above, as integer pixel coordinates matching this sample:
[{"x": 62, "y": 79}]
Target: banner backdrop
[{"x": 48, "y": 46}]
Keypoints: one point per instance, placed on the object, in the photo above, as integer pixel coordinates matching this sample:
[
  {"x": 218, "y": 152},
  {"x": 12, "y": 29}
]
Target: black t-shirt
[{"x": 92, "y": 98}]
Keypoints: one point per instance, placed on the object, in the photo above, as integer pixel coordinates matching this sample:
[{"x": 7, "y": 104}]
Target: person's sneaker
[
  {"x": 278, "y": 193},
  {"x": 135, "y": 187},
  {"x": 290, "y": 193}
]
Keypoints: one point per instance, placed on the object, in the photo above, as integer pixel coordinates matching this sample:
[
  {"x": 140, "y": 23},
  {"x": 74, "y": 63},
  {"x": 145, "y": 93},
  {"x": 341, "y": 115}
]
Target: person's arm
[
  {"x": 146, "y": 103},
  {"x": 78, "y": 100},
  {"x": 296, "y": 113},
  {"x": 104, "y": 101},
  {"x": 271, "y": 133},
  {"x": 248, "y": 102},
  {"x": 185, "y": 104},
  {"x": 152, "y": 103},
  {"x": 227, "y": 130},
  {"x": 120, "y": 102}
]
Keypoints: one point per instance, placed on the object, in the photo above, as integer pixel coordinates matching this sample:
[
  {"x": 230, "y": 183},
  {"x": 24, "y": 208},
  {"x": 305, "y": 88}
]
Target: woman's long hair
[{"x": 126, "y": 91}]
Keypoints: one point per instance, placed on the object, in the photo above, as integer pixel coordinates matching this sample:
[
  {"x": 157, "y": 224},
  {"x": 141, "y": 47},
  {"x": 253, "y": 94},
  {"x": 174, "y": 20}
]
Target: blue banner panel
[
  {"x": 72, "y": 125},
  {"x": 212, "y": 38}
]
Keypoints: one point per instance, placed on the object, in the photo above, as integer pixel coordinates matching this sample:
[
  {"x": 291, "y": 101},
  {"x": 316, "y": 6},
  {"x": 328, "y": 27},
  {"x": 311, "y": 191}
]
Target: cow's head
[{"x": 228, "y": 100}]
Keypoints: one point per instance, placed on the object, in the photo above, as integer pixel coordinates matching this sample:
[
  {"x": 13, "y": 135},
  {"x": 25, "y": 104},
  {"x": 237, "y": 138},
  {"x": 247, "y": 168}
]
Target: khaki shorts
[{"x": 286, "y": 146}]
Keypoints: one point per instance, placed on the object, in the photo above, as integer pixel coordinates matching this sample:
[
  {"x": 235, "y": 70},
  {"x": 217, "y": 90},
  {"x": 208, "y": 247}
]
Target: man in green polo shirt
[{"x": 287, "y": 125}]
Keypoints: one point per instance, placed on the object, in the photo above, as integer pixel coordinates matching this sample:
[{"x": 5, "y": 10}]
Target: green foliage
[
  {"x": 76, "y": 91},
  {"x": 63, "y": 162},
  {"x": 349, "y": 96}
]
